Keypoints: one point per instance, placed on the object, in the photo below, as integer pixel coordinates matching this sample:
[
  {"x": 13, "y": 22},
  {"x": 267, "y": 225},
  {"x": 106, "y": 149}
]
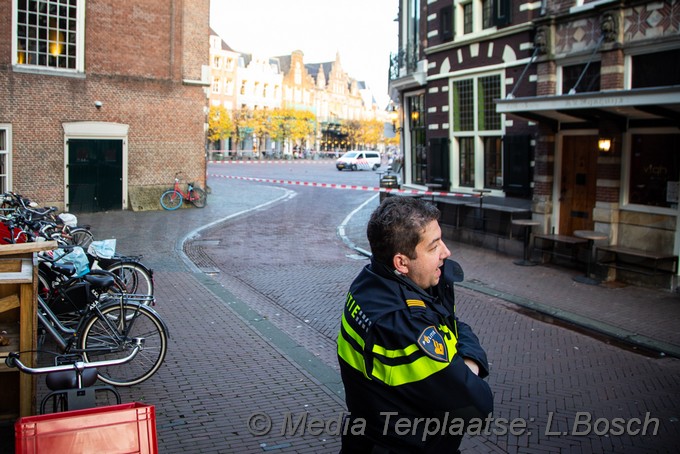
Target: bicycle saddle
[
  {"x": 68, "y": 379},
  {"x": 101, "y": 281},
  {"x": 67, "y": 269}
]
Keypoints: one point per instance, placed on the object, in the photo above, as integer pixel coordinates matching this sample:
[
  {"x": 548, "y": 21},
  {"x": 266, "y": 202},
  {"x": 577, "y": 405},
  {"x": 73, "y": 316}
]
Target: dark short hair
[{"x": 396, "y": 225}]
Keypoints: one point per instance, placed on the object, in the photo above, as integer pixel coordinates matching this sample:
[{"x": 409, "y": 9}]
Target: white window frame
[
  {"x": 80, "y": 45},
  {"x": 477, "y": 23},
  {"x": 475, "y": 133},
  {"x": 6, "y": 153}
]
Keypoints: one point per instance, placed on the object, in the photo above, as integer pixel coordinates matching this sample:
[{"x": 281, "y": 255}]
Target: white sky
[{"x": 362, "y": 31}]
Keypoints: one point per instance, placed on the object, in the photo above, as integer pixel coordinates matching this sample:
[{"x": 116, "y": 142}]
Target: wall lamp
[
  {"x": 394, "y": 116},
  {"x": 604, "y": 144}
]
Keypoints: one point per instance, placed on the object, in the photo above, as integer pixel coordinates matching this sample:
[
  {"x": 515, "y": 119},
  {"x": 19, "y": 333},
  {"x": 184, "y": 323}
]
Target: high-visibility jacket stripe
[{"x": 420, "y": 368}]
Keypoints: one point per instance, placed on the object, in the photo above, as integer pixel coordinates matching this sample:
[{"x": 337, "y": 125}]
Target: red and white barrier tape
[
  {"x": 278, "y": 161},
  {"x": 348, "y": 186}
]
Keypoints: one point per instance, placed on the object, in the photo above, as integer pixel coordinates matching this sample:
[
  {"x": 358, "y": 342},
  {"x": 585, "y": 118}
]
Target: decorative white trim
[{"x": 95, "y": 129}]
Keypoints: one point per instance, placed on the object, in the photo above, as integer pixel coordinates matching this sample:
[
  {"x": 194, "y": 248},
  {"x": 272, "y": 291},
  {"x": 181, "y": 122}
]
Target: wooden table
[
  {"x": 527, "y": 225},
  {"x": 591, "y": 236}
]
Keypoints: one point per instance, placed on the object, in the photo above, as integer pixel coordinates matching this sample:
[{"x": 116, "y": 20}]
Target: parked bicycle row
[{"x": 93, "y": 304}]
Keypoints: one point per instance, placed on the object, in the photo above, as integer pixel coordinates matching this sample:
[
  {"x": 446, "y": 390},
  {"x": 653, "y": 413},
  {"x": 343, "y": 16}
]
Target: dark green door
[{"x": 95, "y": 173}]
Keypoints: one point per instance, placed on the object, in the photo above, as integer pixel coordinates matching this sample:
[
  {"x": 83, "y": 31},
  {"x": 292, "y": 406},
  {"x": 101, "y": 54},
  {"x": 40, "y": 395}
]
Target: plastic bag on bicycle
[{"x": 77, "y": 257}]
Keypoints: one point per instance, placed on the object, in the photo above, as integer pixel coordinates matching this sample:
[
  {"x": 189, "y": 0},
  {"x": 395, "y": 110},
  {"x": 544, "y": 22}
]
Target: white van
[{"x": 359, "y": 160}]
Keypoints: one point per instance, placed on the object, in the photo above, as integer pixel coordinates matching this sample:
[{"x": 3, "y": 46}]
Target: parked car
[{"x": 359, "y": 160}]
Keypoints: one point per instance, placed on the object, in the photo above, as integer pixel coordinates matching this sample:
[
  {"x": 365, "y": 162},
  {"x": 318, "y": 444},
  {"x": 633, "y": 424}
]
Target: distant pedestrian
[{"x": 404, "y": 356}]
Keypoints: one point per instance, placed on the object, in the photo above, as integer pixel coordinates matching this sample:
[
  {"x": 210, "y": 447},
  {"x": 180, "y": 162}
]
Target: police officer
[{"x": 413, "y": 373}]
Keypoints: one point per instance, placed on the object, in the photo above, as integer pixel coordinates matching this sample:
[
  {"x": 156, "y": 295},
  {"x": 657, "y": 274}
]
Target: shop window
[
  {"x": 654, "y": 170},
  {"x": 581, "y": 79},
  {"x": 647, "y": 69}
]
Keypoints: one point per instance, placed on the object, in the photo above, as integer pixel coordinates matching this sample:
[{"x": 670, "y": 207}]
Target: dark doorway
[{"x": 95, "y": 175}]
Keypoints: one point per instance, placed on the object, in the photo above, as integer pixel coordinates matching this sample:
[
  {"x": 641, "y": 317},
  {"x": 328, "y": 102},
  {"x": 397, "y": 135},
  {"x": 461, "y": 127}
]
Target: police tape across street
[{"x": 261, "y": 423}]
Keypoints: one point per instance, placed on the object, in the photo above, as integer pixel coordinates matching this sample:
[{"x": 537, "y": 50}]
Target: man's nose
[{"x": 446, "y": 251}]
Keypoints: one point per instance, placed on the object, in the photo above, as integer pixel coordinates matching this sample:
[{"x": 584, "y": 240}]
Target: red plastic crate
[{"x": 126, "y": 428}]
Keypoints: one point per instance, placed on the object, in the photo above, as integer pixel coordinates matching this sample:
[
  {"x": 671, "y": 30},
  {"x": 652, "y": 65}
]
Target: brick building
[
  {"x": 287, "y": 81},
  {"x": 570, "y": 108},
  {"x": 102, "y": 102}
]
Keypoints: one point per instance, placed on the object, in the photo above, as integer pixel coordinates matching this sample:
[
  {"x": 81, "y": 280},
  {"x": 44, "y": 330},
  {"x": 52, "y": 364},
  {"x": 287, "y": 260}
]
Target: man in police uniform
[{"x": 411, "y": 370}]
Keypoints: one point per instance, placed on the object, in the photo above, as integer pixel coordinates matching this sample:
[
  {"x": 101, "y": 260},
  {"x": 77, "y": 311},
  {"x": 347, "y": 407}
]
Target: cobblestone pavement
[{"x": 253, "y": 315}]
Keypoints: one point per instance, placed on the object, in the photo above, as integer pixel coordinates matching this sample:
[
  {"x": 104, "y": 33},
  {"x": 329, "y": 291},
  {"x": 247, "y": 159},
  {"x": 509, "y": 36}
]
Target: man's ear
[{"x": 400, "y": 263}]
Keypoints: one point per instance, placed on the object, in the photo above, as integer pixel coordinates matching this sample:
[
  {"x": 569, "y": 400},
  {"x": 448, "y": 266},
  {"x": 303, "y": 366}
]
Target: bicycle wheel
[
  {"x": 198, "y": 197},
  {"x": 171, "y": 200},
  {"x": 81, "y": 236},
  {"x": 111, "y": 333},
  {"x": 137, "y": 278}
]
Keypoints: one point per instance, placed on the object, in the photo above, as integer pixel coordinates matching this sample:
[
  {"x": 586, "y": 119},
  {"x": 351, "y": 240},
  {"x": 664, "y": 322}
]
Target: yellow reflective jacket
[{"x": 401, "y": 352}]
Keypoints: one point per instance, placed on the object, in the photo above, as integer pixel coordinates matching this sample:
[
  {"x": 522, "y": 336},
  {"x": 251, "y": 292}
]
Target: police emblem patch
[{"x": 432, "y": 343}]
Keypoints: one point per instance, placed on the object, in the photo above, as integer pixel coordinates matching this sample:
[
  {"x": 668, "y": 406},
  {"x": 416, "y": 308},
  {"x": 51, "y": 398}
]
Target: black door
[{"x": 95, "y": 172}]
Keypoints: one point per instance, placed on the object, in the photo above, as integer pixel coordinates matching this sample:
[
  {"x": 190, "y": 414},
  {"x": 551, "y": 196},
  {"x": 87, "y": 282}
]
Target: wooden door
[{"x": 578, "y": 183}]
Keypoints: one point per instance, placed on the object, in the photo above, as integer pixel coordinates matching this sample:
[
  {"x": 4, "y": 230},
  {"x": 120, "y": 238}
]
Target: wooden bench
[
  {"x": 637, "y": 260},
  {"x": 564, "y": 246}
]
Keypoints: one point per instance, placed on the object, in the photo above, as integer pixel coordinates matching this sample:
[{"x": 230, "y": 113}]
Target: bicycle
[
  {"x": 67, "y": 284},
  {"x": 173, "y": 198},
  {"x": 105, "y": 330},
  {"x": 29, "y": 222},
  {"x": 72, "y": 381}
]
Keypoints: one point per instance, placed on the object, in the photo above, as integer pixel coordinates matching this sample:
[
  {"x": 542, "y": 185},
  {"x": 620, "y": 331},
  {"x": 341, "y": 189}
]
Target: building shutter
[
  {"x": 517, "y": 165},
  {"x": 438, "y": 162},
  {"x": 446, "y": 23},
  {"x": 502, "y": 13}
]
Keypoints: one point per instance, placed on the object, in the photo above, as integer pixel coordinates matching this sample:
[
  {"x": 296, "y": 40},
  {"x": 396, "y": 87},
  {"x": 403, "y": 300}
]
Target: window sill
[{"x": 45, "y": 71}]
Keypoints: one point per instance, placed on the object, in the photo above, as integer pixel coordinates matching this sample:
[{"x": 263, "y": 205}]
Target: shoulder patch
[
  {"x": 432, "y": 343},
  {"x": 415, "y": 303}
]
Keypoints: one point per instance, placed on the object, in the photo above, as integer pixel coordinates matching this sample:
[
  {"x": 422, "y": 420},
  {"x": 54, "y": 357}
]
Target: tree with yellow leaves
[{"x": 220, "y": 126}]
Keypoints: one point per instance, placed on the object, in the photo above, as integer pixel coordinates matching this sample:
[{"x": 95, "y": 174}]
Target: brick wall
[
  {"x": 612, "y": 70},
  {"x": 136, "y": 84}
]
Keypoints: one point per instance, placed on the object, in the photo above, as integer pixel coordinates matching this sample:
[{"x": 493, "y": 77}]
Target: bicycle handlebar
[{"x": 12, "y": 360}]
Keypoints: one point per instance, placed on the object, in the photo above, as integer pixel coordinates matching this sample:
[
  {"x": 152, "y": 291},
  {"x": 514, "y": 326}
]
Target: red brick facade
[{"x": 144, "y": 63}]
